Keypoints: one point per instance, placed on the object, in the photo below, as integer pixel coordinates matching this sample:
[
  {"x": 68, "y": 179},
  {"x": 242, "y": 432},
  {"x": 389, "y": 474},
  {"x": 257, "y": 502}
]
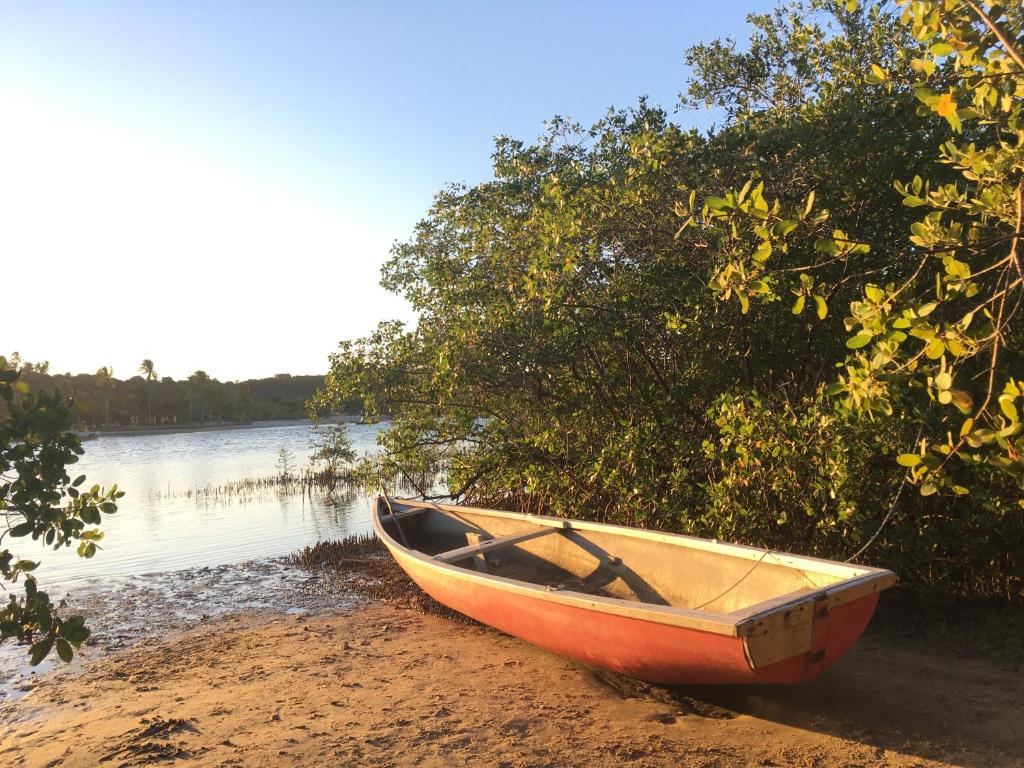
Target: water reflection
[{"x": 163, "y": 525}]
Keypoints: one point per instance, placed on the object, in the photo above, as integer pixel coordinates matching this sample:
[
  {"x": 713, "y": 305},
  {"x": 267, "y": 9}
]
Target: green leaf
[
  {"x": 822, "y": 307},
  {"x": 783, "y": 228},
  {"x": 90, "y": 515},
  {"x": 826, "y": 246},
  {"x": 75, "y": 631},
  {"x": 858, "y": 341},
  {"x": 924, "y": 66},
  {"x": 925, "y": 95},
  {"x": 798, "y": 305},
  {"x": 64, "y": 650},
  {"x": 962, "y": 400},
  {"x": 39, "y": 651},
  {"x": 908, "y": 459},
  {"x": 810, "y": 204},
  {"x": 23, "y": 529},
  {"x": 1008, "y": 407}
]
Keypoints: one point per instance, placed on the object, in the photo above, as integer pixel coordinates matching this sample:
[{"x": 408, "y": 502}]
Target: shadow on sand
[{"x": 903, "y": 697}]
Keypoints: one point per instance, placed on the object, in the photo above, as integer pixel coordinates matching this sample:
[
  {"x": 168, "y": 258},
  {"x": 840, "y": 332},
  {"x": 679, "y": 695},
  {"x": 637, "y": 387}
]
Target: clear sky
[{"x": 215, "y": 184}]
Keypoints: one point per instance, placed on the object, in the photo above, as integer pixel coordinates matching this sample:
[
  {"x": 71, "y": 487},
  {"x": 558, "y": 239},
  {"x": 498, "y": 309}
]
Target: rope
[
  {"x": 741, "y": 580},
  {"x": 885, "y": 520},
  {"x": 398, "y": 524},
  {"x": 892, "y": 508}
]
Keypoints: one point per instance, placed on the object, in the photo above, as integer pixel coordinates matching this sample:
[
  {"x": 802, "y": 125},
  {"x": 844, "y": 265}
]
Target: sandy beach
[{"x": 388, "y": 685}]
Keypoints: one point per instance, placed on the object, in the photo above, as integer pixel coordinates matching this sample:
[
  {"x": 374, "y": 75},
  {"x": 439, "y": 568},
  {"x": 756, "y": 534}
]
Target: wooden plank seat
[
  {"x": 401, "y": 514},
  {"x": 483, "y": 547}
]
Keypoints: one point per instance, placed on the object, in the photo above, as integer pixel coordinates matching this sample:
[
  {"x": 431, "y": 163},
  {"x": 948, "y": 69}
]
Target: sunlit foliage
[
  {"x": 737, "y": 333},
  {"x": 41, "y": 506}
]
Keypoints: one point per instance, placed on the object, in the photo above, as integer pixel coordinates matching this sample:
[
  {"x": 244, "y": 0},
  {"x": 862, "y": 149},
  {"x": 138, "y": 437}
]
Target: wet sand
[
  {"x": 333, "y": 657},
  {"x": 385, "y": 685}
]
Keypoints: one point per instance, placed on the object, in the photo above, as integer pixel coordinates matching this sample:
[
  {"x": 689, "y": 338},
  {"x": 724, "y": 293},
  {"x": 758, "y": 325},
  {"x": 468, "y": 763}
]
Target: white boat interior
[{"x": 628, "y": 564}]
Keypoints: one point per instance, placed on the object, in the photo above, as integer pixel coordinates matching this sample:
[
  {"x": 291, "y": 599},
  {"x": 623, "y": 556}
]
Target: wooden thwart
[
  {"x": 454, "y": 555},
  {"x": 404, "y": 513}
]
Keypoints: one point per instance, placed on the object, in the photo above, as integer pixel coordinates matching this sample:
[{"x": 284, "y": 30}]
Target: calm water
[{"x": 158, "y": 527}]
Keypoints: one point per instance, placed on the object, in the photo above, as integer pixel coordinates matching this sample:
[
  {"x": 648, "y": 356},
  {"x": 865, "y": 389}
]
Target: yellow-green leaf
[
  {"x": 821, "y": 306},
  {"x": 810, "y": 203},
  {"x": 935, "y": 349},
  {"x": 962, "y": 400},
  {"x": 1009, "y": 409}
]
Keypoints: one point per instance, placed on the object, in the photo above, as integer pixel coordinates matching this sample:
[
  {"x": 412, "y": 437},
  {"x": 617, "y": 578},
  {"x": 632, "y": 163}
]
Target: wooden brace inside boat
[{"x": 489, "y": 545}]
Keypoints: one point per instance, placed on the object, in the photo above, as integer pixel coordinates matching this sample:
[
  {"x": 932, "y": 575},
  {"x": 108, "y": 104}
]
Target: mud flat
[{"x": 381, "y": 682}]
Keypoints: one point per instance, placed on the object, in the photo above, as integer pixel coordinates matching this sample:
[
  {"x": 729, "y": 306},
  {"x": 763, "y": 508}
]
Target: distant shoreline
[{"x": 180, "y": 428}]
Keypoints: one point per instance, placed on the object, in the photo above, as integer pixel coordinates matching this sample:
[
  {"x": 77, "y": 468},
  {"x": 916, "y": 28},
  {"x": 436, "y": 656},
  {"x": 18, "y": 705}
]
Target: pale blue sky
[{"x": 215, "y": 185}]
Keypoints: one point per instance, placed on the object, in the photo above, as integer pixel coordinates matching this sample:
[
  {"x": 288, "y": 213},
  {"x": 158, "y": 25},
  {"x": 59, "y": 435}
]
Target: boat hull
[{"x": 647, "y": 650}]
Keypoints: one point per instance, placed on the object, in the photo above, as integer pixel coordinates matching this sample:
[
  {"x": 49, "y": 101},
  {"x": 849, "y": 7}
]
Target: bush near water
[{"x": 798, "y": 329}]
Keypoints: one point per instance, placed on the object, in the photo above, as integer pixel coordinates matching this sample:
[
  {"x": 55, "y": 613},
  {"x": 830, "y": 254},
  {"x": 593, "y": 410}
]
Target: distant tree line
[{"x": 147, "y": 399}]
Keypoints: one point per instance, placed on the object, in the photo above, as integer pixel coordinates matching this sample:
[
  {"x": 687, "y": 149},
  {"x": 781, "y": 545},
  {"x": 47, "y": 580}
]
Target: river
[
  {"x": 172, "y": 518},
  {"x": 177, "y": 553}
]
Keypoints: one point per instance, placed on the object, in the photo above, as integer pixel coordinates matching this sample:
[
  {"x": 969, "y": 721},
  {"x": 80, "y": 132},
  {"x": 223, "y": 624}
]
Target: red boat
[{"x": 655, "y": 606}]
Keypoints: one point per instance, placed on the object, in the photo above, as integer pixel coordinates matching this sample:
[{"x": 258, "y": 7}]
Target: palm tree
[
  {"x": 105, "y": 380},
  {"x": 197, "y": 386},
  {"x": 148, "y": 372}
]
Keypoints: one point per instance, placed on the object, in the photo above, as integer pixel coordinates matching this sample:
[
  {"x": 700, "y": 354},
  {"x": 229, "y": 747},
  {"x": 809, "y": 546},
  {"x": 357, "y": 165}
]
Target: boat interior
[{"x": 623, "y": 563}]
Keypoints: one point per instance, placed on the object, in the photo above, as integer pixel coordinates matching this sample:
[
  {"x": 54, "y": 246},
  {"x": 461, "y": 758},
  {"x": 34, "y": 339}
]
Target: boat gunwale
[{"x": 755, "y": 619}]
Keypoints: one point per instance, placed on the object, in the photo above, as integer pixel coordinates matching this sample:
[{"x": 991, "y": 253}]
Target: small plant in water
[
  {"x": 285, "y": 462},
  {"x": 332, "y": 449}
]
